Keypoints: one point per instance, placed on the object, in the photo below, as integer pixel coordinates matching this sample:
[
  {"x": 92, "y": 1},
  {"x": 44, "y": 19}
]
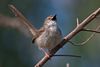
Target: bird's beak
[{"x": 54, "y": 17}]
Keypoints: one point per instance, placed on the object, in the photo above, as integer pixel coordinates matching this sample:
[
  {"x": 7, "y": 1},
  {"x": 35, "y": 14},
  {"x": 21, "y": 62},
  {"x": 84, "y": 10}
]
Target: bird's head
[{"x": 50, "y": 21}]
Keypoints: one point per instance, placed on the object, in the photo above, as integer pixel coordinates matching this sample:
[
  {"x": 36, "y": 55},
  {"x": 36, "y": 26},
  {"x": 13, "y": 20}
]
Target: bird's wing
[
  {"x": 15, "y": 23},
  {"x": 40, "y": 31}
]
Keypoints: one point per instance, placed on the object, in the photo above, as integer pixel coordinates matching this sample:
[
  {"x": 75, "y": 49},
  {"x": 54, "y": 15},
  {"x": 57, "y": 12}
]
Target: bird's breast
[{"x": 49, "y": 38}]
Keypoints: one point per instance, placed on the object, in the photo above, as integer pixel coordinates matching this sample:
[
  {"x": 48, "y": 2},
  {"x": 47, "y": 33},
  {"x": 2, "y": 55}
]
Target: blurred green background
[{"x": 17, "y": 50}]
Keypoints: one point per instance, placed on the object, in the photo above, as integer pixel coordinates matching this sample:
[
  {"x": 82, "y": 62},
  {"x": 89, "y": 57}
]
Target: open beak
[{"x": 54, "y": 17}]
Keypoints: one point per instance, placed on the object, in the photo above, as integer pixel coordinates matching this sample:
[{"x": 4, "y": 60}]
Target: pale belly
[{"x": 48, "y": 40}]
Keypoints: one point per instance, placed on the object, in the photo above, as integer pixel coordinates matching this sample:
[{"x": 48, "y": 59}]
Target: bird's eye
[{"x": 49, "y": 18}]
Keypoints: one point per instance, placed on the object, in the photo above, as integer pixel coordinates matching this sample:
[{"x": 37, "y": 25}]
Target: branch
[
  {"x": 77, "y": 21},
  {"x": 89, "y": 38},
  {"x": 89, "y": 30},
  {"x": 68, "y": 37},
  {"x": 67, "y": 55}
]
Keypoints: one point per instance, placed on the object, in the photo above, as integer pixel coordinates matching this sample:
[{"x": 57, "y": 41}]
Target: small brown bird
[
  {"x": 47, "y": 37},
  {"x": 50, "y": 34}
]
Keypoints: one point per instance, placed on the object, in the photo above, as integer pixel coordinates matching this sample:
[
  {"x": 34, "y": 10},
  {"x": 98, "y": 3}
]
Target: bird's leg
[{"x": 46, "y": 53}]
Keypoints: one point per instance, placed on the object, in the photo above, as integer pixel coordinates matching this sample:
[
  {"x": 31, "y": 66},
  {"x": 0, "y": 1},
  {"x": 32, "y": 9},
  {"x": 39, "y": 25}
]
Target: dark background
[{"x": 17, "y": 50}]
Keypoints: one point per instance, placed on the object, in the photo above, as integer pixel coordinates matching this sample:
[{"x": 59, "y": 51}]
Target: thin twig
[
  {"x": 89, "y": 30},
  {"x": 77, "y": 21},
  {"x": 68, "y": 37},
  {"x": 96, "y": 31},
  {"x": 67, "y": 55},
  {"x": 89, "y": 38}
]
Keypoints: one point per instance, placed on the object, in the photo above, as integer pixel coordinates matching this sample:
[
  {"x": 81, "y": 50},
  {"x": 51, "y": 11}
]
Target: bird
[{"x": 47, "y": 37}]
